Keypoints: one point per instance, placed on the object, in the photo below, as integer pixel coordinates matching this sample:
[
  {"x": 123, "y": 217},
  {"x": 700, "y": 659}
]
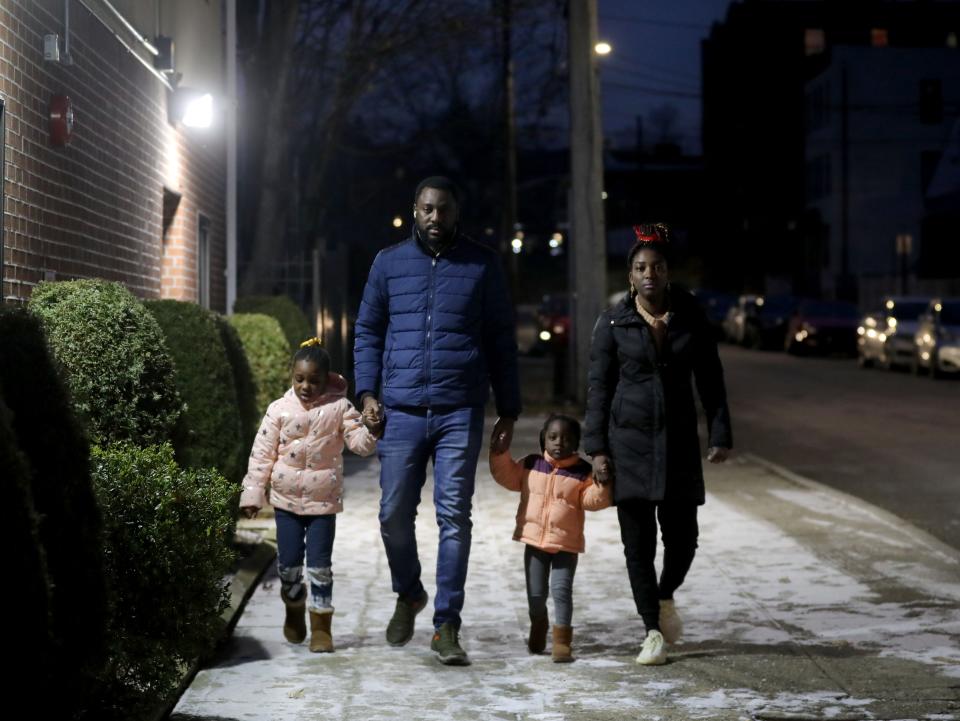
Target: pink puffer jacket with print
[{"x": 297, "y": 453}]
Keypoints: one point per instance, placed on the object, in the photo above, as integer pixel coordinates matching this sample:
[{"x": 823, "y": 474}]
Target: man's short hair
[{"x": 438, "y": 182}]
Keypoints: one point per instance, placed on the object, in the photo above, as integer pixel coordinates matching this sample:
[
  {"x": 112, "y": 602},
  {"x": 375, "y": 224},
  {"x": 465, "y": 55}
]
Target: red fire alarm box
[{"x": 61, "y": 120}]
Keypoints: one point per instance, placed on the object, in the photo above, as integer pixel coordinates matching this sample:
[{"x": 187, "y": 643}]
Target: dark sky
[{"x": 655, "y": 61}]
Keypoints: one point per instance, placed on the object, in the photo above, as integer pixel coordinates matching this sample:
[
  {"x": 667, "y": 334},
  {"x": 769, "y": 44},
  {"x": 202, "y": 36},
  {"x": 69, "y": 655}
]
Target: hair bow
[{"x": 649, "y": 234}]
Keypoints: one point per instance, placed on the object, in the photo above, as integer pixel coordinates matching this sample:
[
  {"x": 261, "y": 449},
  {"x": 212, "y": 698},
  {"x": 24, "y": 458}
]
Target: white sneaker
[
  {"x": 670, "y": 623},
  {"x": 654, "y": 650}
]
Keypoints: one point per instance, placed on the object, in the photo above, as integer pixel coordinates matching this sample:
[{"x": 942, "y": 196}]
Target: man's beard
[{"x": 445, "y": 237}]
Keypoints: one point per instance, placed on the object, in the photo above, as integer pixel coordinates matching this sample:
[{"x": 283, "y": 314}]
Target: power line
[
  {"x": 666, "y": 92},
  {"x": 633, "y": 72},
  {"x": 655, "y": 22}
]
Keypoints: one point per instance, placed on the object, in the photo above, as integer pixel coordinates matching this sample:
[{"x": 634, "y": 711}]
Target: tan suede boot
[
  {"x": 562, "y": 642},
  {"x": 295, "y": 624},
  {"x": 321, "y": 641}
]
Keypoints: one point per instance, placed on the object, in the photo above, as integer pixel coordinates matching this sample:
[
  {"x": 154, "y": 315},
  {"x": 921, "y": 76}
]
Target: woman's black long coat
[{"x": 640, "y": 407}]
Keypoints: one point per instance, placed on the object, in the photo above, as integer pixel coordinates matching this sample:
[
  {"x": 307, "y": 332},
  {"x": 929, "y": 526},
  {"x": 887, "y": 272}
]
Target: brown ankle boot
[
  {"x": 295, "y": 625},
  {"x": 537, "y": 640},
  {"x": 562, "y": 641},
  {"x": 321, "y": 641}
]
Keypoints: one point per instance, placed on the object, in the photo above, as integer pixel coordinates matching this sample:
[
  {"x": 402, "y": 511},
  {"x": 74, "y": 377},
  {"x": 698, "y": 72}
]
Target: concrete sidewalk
[{"x": 803, "y": 603}]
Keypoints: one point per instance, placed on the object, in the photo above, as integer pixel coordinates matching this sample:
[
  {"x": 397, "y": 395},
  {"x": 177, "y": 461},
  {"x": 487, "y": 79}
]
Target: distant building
[
  {"x": 878, "y": 122},
  {"x": 756, "y": 67},
  {"x": 135, "y": 196}
]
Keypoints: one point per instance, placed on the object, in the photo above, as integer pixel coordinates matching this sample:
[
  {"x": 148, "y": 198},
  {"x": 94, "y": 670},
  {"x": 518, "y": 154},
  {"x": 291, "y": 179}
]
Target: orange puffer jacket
[
  {"x": 298, "y": 452},
  {"x": 553, "y": 496}
]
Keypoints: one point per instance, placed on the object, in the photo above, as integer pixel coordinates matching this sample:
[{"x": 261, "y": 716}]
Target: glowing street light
[
  {"x": 603, "y": 48},
  {"x": 397, "y": 221}
]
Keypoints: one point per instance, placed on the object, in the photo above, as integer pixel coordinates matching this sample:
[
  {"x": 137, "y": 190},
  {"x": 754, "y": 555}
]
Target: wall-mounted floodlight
[
  {"x": 192, "y": 108},
  {"x": 199, "y": 112},
  {"x": 603, "y": 48}
]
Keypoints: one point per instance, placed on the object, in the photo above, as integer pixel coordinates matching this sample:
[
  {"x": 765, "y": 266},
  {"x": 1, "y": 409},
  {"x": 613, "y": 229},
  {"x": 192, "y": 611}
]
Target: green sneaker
[
  {"x": 447, "y": 646},
  {"x": 400, "y": 628}
]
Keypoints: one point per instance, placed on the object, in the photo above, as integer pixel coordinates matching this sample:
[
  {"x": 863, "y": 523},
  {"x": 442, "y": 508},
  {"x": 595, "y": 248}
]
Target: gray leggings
[{"x": 537, "y": 566}]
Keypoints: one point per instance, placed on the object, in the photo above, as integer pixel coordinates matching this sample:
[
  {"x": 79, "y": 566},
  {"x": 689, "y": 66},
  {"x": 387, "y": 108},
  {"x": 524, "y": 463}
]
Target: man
[{"x": 434, "y": 331}]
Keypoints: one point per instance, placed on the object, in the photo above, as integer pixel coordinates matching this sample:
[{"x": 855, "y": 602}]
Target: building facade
[
  {"x": 758, "y": 66},
  {"x": 878, "y": 125},
  {"x": 134, "y": 195}
]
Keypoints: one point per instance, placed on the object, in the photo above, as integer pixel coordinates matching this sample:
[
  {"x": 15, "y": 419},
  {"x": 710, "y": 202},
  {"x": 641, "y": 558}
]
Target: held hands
[
  {"x": 502, "y": 435},
  {"x": 602, "y": 469},
  {"x": 716, "y": 454},
  {"x": 372, "y": 415}
]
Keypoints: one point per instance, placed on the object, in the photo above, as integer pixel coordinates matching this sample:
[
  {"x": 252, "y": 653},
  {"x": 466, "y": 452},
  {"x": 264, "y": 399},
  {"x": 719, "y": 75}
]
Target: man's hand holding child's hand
[
  {"x": 371, "y": 416},
  {"x": 501, "y": 436}
]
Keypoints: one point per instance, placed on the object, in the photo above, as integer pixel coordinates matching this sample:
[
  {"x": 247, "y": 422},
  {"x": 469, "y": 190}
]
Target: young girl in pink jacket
[
  {"x": 297, "y": 455},
  {"x": 555, "y": 490}
]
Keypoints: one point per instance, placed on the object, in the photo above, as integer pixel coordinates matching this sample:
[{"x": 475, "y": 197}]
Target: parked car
[
  {"x": 735, "y": 320},
  {"x": 716, "y": 305},
  {"x": 825, "y": 326},
  {"x": 759, "y": 321},
  {"x": 937, "y": 340},
  {"x": 553, "y": 320},
  {"x": 886, "y": 336}
]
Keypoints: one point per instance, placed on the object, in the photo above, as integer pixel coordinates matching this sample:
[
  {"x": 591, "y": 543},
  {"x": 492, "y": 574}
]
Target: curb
[
  {"x": 244, "y": 582},
  {"x": 883, "y": 517}
]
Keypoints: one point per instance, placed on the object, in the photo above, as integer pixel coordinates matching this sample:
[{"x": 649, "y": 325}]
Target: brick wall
[{"x": 95, "y": 208}]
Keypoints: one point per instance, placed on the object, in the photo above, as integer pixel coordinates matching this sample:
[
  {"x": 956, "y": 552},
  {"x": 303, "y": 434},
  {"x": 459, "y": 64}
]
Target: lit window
[{"x": 814, "y": 41}]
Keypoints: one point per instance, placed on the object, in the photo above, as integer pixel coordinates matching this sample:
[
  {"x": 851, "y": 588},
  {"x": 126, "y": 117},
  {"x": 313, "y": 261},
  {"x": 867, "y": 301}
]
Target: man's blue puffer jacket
[{"x": 437, "y": 331}]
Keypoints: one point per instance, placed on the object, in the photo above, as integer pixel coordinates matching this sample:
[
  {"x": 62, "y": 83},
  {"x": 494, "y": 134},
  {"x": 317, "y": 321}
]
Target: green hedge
[
  {"x": 117, "y": 364},
  {"x": 56, "y": 451},
  {"x": 246, "y": 390},
  {"x": 268, "y": 354},
  {"x": 168, "y": 534},
  {"x": 208, "y": 432},
  {"x": 29, "y": 606},
  {"x": 296, "y": 327}
]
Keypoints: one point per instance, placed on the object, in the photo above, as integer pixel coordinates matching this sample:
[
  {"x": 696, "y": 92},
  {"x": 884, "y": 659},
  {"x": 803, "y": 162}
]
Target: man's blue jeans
[{"x": 451, "y": 438}]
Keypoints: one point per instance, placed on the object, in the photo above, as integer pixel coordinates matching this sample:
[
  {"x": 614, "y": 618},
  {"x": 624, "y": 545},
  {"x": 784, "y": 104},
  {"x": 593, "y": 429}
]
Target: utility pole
[
  {"x": 845, "y": 290},
  {"x": 231, "y": 127},
  {"x": 509, "y": 142},
  {"x": 587, "y": 243}
]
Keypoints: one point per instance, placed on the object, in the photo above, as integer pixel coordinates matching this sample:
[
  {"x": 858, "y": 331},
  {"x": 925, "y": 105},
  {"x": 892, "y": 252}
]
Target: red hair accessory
[{"x": 649, "y": 234}]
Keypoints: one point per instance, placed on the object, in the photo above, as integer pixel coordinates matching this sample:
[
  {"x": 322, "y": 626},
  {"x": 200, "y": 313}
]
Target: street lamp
[
  {"x": 397, "y": 221},
  {"x": 603, "y": 48}
]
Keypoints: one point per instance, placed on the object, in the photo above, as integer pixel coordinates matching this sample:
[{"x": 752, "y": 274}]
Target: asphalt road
[{"x": 890, "y": 438}]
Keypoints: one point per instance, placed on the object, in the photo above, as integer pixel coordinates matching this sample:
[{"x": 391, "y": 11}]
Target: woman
[{"x": 641, "y": 427}]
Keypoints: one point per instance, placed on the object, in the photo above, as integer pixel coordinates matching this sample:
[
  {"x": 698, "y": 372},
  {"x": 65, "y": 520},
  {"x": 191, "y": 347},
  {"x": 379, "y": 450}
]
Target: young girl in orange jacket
[{"x": 556, "y": 487}]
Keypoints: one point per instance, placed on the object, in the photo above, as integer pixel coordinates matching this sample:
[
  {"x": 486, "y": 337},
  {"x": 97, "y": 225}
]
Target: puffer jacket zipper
[{"x": 547, "y": 503}]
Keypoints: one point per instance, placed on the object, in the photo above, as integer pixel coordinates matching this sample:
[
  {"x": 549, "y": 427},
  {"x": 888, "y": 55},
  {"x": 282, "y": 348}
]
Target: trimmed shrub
[
  {"x": 30, "y": 632},
  {"x": 246, "y": 390},
  {"x": 208, "y": 432},
  {"x": 267, "y": 352},
  {"x": 69, "y": 531},
  {"x": 168, "y": 534},
  {"x": 296, "y": 327},
  {"x": 117, "y": 365}
]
